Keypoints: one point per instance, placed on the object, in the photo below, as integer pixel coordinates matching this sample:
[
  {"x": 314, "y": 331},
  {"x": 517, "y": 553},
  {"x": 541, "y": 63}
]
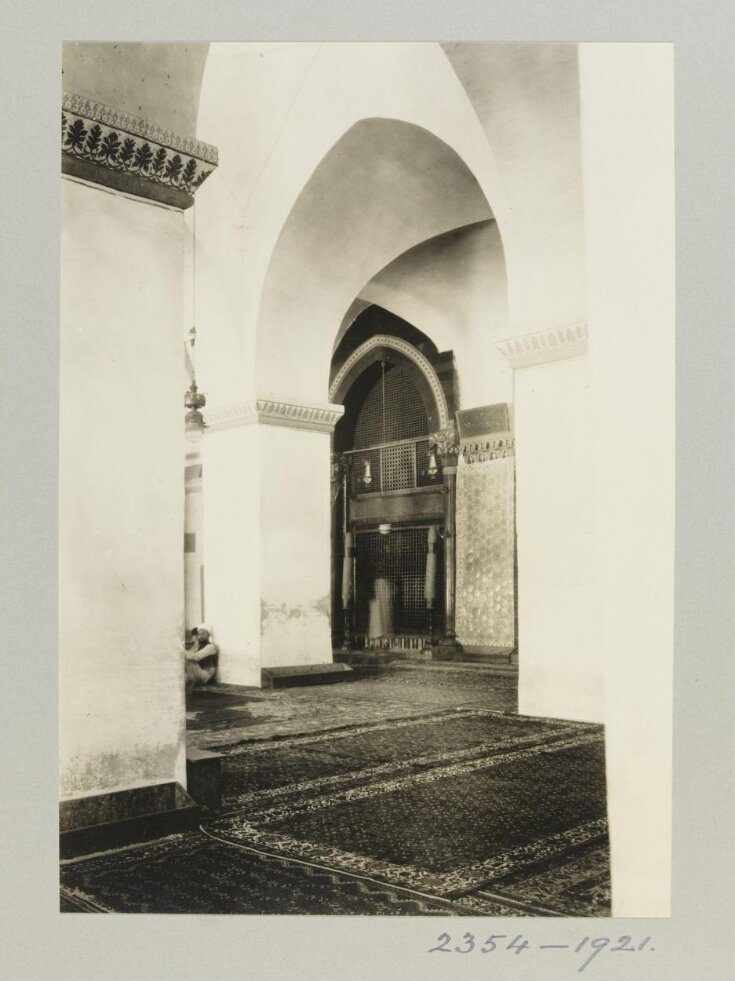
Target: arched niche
[
  {"x": 383, "y": 348},
  {"x": 385, "y": 520}
]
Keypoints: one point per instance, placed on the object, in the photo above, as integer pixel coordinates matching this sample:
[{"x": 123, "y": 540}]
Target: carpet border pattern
[
  {"x": 268, "y": 744},
  {"x": 256, "y": 834}
]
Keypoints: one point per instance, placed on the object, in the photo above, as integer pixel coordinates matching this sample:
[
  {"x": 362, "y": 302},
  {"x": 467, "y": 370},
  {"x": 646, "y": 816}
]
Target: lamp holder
[{"x": 194, "y": 400}]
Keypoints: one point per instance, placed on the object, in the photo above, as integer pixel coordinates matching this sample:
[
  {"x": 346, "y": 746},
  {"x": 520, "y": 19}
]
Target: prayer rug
[
  {"x": 191, "y": 873},
  {"x": 511, "y": 810},
  {"x": 261, "y": 771},
  {"x": 465, "y": 812}
]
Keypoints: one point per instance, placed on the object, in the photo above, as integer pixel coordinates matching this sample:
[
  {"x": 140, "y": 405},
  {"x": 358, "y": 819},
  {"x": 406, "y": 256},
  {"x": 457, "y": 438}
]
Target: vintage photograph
[{"x": 365, "y": 575}]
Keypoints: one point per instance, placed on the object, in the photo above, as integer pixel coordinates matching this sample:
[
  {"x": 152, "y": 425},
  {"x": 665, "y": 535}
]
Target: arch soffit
[
  {"x": 369, "y": 351},
  {"x": 481, "y": 162},
  {"x": 408, "y": 125}
]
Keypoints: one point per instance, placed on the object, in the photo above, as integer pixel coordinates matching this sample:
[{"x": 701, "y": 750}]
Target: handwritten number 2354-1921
[{"x": 588, "y": 946}]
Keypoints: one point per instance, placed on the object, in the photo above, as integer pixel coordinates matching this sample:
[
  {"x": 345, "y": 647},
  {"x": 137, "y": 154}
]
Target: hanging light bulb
[
  {"x": 367, "y": 477},
  {"x": 433, "y": 469}
]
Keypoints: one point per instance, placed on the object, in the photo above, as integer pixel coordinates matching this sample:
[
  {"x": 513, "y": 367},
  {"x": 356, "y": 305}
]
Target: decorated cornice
[
  {"x": 422, "y": 363},
  {"x": 546, "y": 346},
  {"x": 231, "y": 416},
  {"x": 498, "y": 446},
  {"x": 313, "y": 416},
  {"x": 127, "y": 153},
  {"x": 317, "y": 417}
]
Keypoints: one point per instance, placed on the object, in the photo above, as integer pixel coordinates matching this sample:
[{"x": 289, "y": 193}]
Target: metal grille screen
[
  {"x": 399, "y": 557},
  {"x": 398, "y": 467},
  {"x": 405, "y": 412}
]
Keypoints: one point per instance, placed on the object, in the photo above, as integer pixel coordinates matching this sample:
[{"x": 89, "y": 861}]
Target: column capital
[
  {"x": 447, "y": 445},
  {"x": 341, "y": 463}
]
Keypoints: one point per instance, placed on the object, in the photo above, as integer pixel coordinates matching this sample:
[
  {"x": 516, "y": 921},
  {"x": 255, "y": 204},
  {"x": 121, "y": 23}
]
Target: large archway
[{"x": 331, "y": 217}]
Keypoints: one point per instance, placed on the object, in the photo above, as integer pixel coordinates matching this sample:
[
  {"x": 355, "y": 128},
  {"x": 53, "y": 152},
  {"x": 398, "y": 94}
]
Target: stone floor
[{"x": 219, "y": 716}]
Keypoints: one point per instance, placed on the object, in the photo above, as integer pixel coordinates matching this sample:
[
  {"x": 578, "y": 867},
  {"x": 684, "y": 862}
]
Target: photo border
[{"x": 693, "y": 942}]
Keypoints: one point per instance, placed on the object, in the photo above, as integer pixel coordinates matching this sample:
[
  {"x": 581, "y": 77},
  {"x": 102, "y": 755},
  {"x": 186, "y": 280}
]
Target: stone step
[
  {"x": 478, "y": 667},
  {"x": 124, "y": 817},
  {"x": 505, "y": 663},
  {"x": 204, "y": 777},
  {"x": 305, "y": 674}
]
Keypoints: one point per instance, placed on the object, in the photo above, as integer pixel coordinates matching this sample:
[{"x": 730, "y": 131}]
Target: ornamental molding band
[
  {"x": 231, "y": 416},
  {"x": 546, "y": 346},
  {"x": 422, "y": 363},
  {"x": 130, "y": 154},
  {"x": 313, "y": 416},
  {"x": 319, "y": 418},
  {"x": 499, "y": 446}
]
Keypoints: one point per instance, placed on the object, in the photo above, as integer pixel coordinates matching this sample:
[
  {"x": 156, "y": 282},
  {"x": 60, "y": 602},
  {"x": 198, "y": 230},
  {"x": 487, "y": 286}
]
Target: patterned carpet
[
  {"x": 193, "y": 874},
  {"x": 564, "y": 883},
  {"x": 479, "y": 812},
  {"x": 311, "y": 763}
]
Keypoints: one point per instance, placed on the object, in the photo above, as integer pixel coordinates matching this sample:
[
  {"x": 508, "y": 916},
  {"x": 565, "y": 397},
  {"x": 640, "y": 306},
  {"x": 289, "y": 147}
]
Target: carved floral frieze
[{"x": 133, "y": 149}]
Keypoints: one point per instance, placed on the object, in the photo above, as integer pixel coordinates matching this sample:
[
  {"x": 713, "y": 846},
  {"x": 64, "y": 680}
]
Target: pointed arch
[{"x": 370, "y": 351}]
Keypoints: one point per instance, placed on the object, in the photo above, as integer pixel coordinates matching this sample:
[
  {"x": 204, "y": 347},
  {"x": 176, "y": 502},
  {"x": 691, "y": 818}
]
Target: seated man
[{"x": 201, "y": 659}]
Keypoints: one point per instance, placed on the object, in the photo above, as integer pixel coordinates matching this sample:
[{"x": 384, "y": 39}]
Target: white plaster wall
[
  {"x": 628, "y": 144},
  {"x": 266, "y": 542},
  {"x": 295, "y": 524},
  {"x": 453, "y": 288},
  {"x": 559, "y": 636},
  {"x": 224, "y": 315},
  {"x": 232, "y": 545},
  {"x": 527, "y": 98},
  {"x": 121, "y": 494}
]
